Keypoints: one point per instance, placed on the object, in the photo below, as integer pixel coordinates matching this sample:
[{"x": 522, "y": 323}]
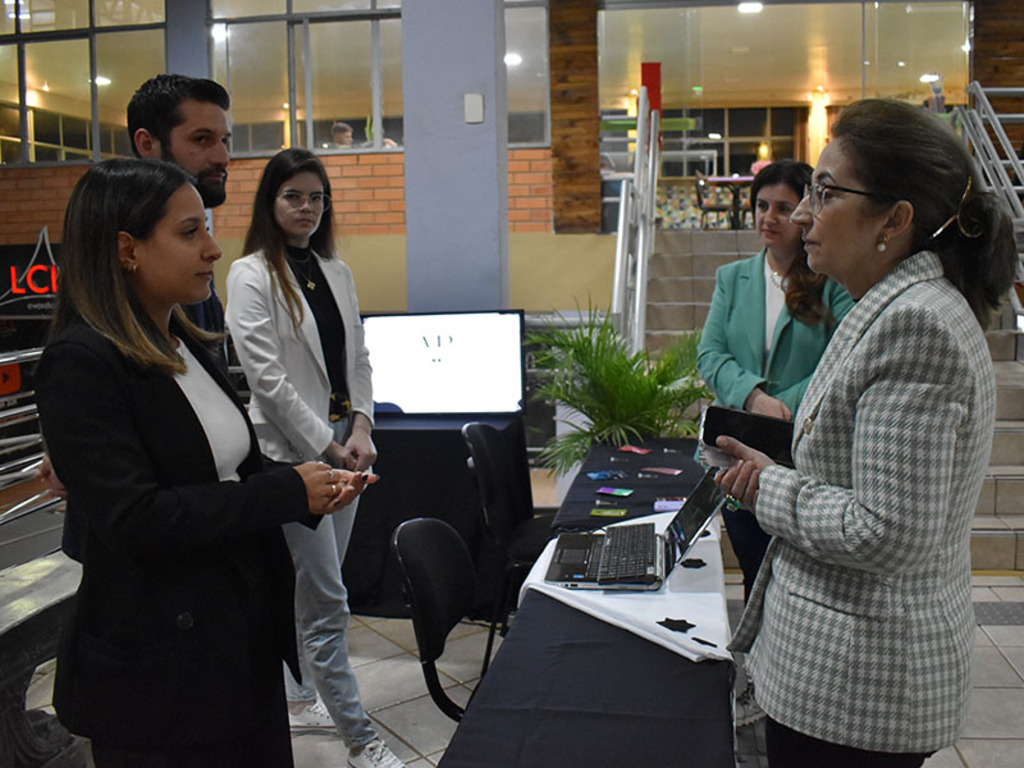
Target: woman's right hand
[
  {"x": 329, "y": 489},
  {"x": 766, "y": 405}
]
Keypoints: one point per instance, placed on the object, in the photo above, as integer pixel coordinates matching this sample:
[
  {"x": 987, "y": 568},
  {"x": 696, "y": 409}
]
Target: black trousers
[
  {"x": 749, "y": 542},
  {"x": 791, "y": 749}
]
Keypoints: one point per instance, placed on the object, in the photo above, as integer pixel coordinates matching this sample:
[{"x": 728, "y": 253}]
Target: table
[
  {"x": 566, "y": 689},
  {"x": 735, "y": 185}
]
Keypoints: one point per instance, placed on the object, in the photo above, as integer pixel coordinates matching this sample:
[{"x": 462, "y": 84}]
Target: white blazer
[{"x": 286, "y": 370}]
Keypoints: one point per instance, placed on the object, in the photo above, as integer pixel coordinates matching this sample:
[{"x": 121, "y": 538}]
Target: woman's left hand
[
  {"x": 741, "y": 479},
  {"x": 360, "y": 450}
]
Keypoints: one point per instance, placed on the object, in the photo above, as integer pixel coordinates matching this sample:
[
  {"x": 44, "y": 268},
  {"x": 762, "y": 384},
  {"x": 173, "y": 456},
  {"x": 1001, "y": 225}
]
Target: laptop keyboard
[{"x": 628, "y": 553}]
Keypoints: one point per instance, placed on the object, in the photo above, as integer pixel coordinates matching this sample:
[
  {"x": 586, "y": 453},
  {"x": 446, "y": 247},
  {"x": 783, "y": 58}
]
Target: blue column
[
  {"x": 187, "y": 38},
  {"x": 456, "y": 169}
]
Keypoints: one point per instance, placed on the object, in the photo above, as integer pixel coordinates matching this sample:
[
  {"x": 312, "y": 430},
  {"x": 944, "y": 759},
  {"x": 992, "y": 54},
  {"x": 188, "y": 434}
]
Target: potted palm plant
[{"x": 622, "y": 397}]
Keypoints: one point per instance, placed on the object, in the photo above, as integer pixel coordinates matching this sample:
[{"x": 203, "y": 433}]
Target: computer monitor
[{"x": 447, "y": 363}]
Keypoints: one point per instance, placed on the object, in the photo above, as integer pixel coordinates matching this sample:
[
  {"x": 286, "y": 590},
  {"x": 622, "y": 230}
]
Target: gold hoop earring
[
  {"x": 882, "y": 240},
  {"x": 131, "y": 267}
]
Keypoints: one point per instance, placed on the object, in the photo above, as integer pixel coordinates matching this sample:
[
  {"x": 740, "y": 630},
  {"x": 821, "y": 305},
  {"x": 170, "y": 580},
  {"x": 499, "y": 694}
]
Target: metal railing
[{"x": 635, "y": 242}]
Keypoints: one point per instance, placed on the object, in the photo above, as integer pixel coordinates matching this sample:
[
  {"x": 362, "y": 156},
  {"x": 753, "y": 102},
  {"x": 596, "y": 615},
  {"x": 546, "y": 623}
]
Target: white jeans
[{"x": 321, "y": 618}]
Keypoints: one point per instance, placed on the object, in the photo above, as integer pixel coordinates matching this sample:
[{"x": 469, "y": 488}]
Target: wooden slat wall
[
  {"x": 999, "y": 54},
  {"x": 576, "y": 172}
]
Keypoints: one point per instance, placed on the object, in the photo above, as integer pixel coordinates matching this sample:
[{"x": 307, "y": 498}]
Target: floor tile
[
  {"x": 996, "y": 713},
  {"x": 386, "y": 683},
  {"x": 992, "y": 670},
  {"x": 983, "y": 595},
  {"x": 421, "y": 723},
  {"x": 1005, "y": 635},
  {"x": 981, "y": 640},
  {"x": 1015, "y": 656},
  {"x": 1010, "y": 593},
  {"x": 365, "y": 645},
  {"x": 944, "y": 758},
  {"x": 985, "y": 753},
  {"x": 997, "y": 581}
]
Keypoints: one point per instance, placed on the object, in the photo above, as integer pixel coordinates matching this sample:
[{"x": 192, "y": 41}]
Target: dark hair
[
  {"x": 340, "y": 126},
  {"x": 264, "y": 233},
  {"x": 155, "y": 105},
  {"x": 803, "y": 286},
  {"x": 118, "y": 195},
  {"x": 902, "y": 152}
]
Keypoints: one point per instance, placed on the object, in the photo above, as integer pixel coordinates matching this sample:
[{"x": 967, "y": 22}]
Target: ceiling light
[
  {"x": 715, "y": 136},
  {"x": 966, "y": 47},
  {"x": 901, "y": 63},
  {"x": 101, "y": 80},
  {"x": 750, "y": 7},
  {"x": 513, "y": 59},
  {"x": 219, "y": 32},
  {"x": 930, "y": 77},
  {"x": 285, "y": 105},
  {"x": 634, "y": 92},
  {"x": 46, "y": 87},
  {"x": 698, "y": 89}
]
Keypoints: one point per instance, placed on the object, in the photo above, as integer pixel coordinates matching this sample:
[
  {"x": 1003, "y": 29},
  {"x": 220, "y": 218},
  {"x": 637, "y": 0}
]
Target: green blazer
[{"x": 731, "y": 356}]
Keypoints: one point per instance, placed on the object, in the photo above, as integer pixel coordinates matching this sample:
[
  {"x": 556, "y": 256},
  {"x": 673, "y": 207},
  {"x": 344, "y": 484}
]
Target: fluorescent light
[
  {"x": 513, "y": 59},
  {"x": 901, "y": 63},
  {"x": 101, "y": 80},
  {"x": 750, "y": 7},
  {"x": 930, "y": 77},
  {"x": 715, "y": 136},
  {"x": 219, "y": 32}
]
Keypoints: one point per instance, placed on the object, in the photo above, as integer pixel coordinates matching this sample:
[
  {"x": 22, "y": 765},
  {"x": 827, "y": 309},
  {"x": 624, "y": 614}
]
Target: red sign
[
  {"x": 28, "y": 279},
  {"x": 10, "y": 379}
]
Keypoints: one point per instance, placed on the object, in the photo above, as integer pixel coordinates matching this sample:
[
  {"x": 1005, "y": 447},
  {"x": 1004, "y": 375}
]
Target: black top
[{"x": 306, "y": 268}]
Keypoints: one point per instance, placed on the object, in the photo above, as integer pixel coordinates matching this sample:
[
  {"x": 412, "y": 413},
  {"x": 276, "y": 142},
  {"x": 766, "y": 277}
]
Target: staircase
[{"x": 679, "y": 289}]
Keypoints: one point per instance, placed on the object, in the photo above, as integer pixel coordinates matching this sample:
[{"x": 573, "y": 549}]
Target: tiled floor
[{"x": 383, "y": 654}]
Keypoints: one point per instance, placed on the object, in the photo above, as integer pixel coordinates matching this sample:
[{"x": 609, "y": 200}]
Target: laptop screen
[{"x": 699, "y": 507}]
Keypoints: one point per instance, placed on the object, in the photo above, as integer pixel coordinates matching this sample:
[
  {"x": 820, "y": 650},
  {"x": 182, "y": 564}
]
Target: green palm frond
[{"x": 624, "y": 397}]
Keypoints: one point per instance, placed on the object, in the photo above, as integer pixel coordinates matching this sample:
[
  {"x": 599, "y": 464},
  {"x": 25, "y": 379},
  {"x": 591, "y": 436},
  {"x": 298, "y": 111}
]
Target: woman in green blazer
[{"x": 770, "y": 321}]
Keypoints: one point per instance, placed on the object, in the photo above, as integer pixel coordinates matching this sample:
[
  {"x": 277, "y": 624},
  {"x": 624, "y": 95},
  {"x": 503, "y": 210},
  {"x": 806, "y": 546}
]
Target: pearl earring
[{"x": 882, "y": 240}]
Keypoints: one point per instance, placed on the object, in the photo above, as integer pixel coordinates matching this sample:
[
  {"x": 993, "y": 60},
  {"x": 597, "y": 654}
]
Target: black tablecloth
[
  {"x": 677, "y": 453},
  {"x": 571, "y": 691}
]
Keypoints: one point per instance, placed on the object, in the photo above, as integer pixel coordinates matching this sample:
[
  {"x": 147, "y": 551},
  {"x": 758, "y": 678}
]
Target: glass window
[
  {"x": 49, "y": 15},
  {"x": 748, "y": 122},
  {"x": 114, "y": 14},
  {"x": 341, "y": 84},
  {"x": 126, "y": 60},
  {"x": 254, "y": 68},
  {"x": 302, "y": 6},
  {"x": 783, "y": 121},
  {"x": 57, "y": 82},
  {"x": 526, "y": 65},
  {"x": 391, "y": 80},
  {"x": 225, "y": 9}
]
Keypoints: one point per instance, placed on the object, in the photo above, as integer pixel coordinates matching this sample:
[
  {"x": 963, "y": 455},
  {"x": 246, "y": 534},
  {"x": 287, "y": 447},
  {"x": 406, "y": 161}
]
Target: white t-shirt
[{"x": 222, "y": 422}]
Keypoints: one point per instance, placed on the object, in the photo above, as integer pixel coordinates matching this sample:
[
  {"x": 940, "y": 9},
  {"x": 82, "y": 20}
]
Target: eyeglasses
[
  {"x": 296, "y": 199},
  {"x": 817, "y": 191}
]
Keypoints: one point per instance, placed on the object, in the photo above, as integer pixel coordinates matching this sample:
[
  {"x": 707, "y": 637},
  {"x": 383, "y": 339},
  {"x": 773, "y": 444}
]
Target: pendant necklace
[{"x": 304, "y": 274}]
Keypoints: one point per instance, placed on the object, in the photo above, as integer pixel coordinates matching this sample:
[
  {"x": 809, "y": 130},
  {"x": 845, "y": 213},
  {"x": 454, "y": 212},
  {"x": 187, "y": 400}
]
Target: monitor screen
[{"x": 459, "y": 362}]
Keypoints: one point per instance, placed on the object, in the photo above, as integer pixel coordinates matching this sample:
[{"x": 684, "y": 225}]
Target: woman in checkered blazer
[{"x": 860, "y": 627}]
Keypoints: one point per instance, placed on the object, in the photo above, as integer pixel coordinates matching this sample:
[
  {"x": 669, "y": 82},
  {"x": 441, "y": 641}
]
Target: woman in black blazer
[{"x": 184, "y": 613}]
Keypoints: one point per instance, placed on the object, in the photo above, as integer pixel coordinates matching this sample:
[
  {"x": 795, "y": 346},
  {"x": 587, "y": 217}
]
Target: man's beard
[{"x": 213, "y": 191}]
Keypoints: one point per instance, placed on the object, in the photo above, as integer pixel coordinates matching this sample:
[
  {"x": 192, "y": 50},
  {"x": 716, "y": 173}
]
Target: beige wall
[{"x": 548, "y": 272}]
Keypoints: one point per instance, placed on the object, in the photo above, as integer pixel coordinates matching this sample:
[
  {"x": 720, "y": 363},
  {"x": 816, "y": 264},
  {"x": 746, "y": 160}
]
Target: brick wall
[{"x": 369, "y": 195}]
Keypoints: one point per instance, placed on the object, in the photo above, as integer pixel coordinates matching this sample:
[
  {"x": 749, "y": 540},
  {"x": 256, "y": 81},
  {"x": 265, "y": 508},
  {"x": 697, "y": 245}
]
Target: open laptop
[{"x": 590, "y": 560}]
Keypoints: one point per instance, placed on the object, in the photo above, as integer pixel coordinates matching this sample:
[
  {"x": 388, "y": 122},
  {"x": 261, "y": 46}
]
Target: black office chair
[
  {"x": 440, "y": 585},
  {"x": 707, "y": 201},
  {"x": 506, "y": 501}
]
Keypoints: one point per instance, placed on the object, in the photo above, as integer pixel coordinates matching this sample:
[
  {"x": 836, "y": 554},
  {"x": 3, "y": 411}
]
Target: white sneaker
[
  {"x": 375, "y": 755},
  {"x": 748, "y": 711},
  {"x": 313, "y": 717}
]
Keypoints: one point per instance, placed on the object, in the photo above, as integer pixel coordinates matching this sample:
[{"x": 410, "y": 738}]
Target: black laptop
[{"x": 631, "y": 556}]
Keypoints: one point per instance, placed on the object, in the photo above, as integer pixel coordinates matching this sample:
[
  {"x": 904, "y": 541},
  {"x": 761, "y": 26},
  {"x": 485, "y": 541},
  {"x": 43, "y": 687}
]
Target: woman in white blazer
[
  {"x": 860, "y": 626},
  {"x": 294, "y": 319}
]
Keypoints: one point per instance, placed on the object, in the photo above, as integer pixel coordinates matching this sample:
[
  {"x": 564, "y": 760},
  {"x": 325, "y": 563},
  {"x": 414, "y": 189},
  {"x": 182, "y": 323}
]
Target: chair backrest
[
  {"x": 440, "y": 587},
  {"x": 503, "y": 477}
]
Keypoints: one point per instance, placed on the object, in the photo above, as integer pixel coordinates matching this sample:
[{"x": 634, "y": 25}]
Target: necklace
[
  {"x": 777, "y": 280},
  {"x": 305, "y": 274}
]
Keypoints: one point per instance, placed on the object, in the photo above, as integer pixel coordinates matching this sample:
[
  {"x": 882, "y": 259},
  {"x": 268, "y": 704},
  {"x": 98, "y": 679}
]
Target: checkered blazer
[{"x": 860, "y": 626}]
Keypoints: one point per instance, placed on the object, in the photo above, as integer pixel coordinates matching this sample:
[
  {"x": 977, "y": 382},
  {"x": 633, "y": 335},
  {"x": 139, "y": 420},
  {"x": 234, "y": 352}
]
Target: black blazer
[{"x": 185, "y": 607}]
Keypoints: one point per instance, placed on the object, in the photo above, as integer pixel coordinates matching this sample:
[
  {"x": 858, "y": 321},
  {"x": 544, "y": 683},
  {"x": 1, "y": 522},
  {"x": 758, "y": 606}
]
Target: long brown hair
[
  {"x": 265, "y": 235},
  {"x": 803, "y": 287},
  {"x": 118, "y": 195}
]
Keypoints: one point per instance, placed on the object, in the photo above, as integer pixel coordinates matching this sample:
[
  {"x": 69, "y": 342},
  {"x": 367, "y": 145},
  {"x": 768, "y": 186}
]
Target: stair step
[
  {"x": 997, "y": 549},
  {"x": 1008, "y": 443},
  {"x": 1009, "y": 390},
  {"x": 1002, "y": 344}
]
